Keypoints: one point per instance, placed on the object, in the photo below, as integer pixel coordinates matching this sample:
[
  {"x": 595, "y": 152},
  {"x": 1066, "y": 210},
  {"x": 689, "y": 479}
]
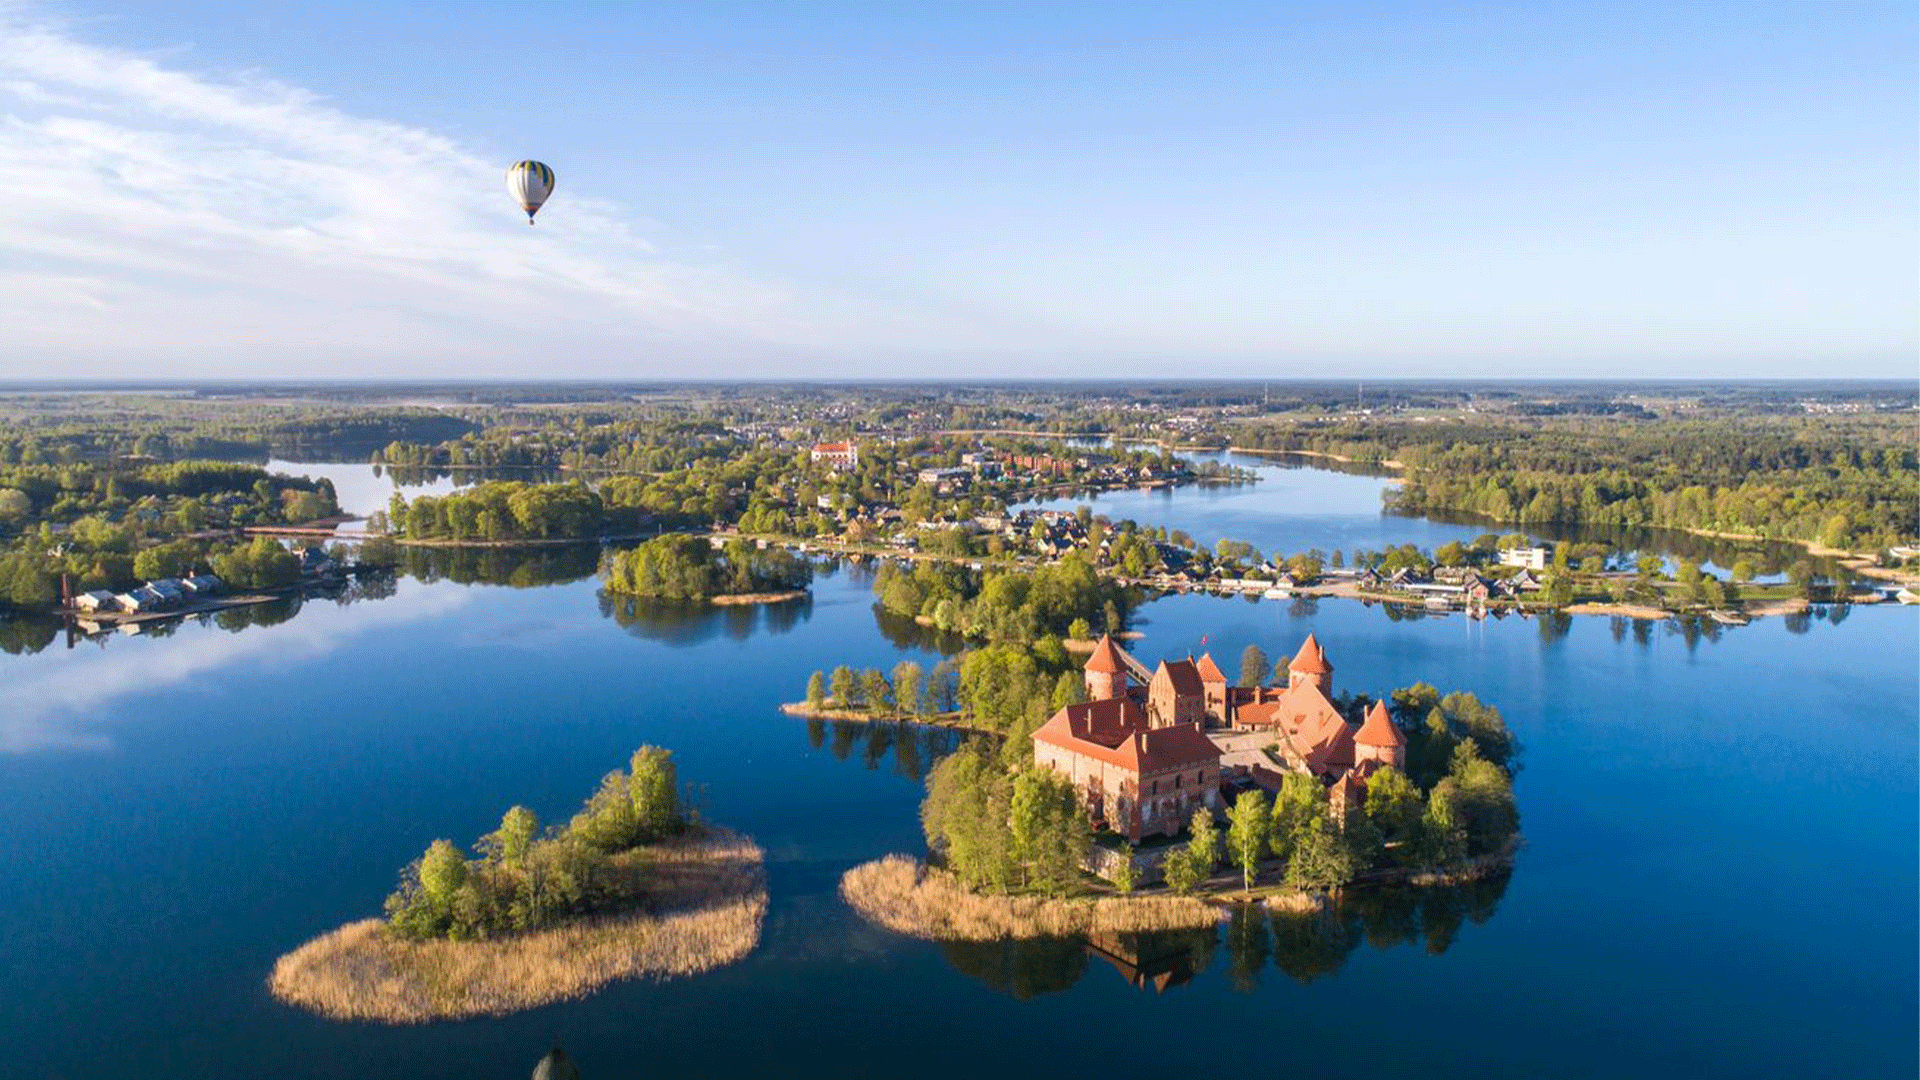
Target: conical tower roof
[
  {"x": 1310, "y": 659},
  {"x": 1379, "y": 729},
  {"x": 1106, "y": 657}
]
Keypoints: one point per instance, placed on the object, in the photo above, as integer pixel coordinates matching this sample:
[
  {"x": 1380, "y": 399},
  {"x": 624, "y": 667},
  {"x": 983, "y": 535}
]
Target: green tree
[
  {"x": 1442, "y": 840},
  {"x": 443, "y": 871},
  {"x": 1395, "y": 808},
  {"x": 1479, "y": 798},
  {"x": 1031, "y": 815},
  {"x": 1320, "y": 861},
  {"x": 509, "y": 845},
  {"x": 1183, "y": 872},
  {"x": 1253, "y": 666},
  {"x": 908, "y": 696},
  {"x": 1126, "y": 877},
  {"x": 654, "y": 787},
  {"x": 817, "y": 690},
  {"x": 1203, "y": 845},
  {"x": 1248, "y": 825},
  {"x": 965, "y": 816},
  {"x": 874, "y": 689},
  {"x": 1068, "y": 689},
  {"x": 1301, "y": 800},
  {"x": 844, "y": 687}
]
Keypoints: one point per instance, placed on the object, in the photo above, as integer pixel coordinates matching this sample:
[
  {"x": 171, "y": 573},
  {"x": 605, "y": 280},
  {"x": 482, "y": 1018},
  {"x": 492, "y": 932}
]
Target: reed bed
[
  {"x": 1295, "y": 902},
  {"x": 703, "y": 906},
  {"x": 1484, "y": 866},
  {"x": 908, "y": 897}
]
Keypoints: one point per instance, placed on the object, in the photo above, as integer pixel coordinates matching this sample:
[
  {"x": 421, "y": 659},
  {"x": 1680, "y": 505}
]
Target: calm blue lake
[
  {"x": 1297, "y": 505},
  {"x": 1719, "y": 878}
]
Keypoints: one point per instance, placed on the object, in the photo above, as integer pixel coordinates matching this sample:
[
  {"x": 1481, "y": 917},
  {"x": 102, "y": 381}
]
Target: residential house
[{"x": 1529, "y": 558}]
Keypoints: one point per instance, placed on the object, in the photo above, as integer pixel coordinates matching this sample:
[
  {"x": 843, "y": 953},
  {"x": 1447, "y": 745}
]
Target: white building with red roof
[{"x": 840, "y": 455}]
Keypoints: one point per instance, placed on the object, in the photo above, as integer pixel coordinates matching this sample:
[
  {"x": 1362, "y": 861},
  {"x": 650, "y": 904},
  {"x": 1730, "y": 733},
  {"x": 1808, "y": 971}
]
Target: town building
[
  {"x": 1528, "y": 558},
  {"x": 839, "y": 455}
]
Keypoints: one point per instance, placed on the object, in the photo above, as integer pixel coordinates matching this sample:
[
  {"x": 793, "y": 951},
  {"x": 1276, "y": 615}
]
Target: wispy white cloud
[{"x": 156, "y": 214}]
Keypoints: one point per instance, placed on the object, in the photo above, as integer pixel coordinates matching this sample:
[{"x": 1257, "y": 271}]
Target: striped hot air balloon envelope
[{"x": 530, "y": 182}]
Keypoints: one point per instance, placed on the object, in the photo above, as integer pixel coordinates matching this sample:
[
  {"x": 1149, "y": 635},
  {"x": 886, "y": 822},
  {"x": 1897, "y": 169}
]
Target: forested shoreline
[
  {"x": 110, "y": 525},
  {"x": 1849, "y": 483}
]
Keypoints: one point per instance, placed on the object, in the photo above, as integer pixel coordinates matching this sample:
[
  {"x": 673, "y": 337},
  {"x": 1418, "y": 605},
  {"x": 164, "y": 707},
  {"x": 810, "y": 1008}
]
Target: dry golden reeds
[
  {"x": 1295, "y": 902},
  {"x": 908, "y": 897},
  {"x": 707, "y": 898}
]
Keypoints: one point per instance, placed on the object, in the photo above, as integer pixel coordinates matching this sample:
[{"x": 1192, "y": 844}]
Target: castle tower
[
  {"x": 1106, "y": 675},
  {"x": 1378, "y": 740},
  {"x": 1216, "y": 684},
  {"x": 1310, "y": 666},
  {"x": 1175, "y": 695}
]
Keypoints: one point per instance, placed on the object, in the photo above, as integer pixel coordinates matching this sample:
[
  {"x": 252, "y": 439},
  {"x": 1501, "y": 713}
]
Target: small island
[
  {"x": 1285, "y": 794},
  {"x": 633, "y": 886},
  {"x": 680, "y": 566}
]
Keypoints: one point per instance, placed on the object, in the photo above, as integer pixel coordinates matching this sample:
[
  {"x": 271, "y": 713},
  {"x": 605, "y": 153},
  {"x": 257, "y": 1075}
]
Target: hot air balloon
[
  {"x": 556, "y": 1066},
  {"x": 530, "y": 183}
]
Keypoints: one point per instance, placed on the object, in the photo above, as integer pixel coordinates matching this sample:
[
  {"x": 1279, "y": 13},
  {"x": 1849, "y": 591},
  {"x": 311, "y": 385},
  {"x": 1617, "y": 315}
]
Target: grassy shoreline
[
  {"x": 905, "y": 895},
  {"x": 704, "y": 906},
  {"x": 868, "y": 716},
  {"x": 779, "y": 597},
  {"x": 909, "y": 897}
]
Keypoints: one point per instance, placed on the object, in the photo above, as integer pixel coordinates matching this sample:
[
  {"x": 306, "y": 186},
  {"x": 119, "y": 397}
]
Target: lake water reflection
[
  {"x": 1718, "y": 880},
  {"x": 1300, "y": 504}
]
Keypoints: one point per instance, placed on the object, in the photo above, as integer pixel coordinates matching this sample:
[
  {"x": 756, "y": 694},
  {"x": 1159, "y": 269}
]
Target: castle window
[{"x": 1176, "y": 780}]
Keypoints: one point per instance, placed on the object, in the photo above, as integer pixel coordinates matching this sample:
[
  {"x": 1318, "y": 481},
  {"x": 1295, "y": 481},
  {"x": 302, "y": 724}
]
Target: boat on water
[
  {"x": 1728, "y": 618},
  {"x": 1907, "y": 596},
  {"x": 1277, "y": 593}
]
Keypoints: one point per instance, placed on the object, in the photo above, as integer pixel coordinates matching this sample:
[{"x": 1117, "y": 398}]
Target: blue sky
[{"x": 974, "y": 189}]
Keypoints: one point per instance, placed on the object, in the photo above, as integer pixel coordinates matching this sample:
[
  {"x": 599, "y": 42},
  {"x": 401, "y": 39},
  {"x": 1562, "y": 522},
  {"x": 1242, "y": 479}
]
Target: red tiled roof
[
  {"x": 1183, "y": 675},
  {"x": 1332, "y": 754},
  {"x": 1180, "y": 744},
  {"x": 1310, "y": 659},
  {"x": 1310, "y": 729},
  {"x": 832, "y": 447},
  {"x": 1115, "y": 731},
  {"x": 1209, "y": 671},
  {"x": 1379, "y": 729},
  {"x": 1294, "y": 708},
  {"x": 1106, "y": 657}
]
